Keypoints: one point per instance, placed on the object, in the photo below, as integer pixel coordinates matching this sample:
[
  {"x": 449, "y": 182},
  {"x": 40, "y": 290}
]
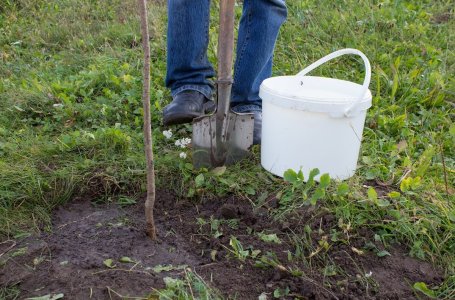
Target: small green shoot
[
  {"x": 126, "y": 259},
  {"x": 237, "y": 249},
  {"x": 269, "y": 238},
  {"x": 109, "y": 263},
  {"x": 167, "y": 268},
  {"x": 422, "y": 287},
  {"x": 280, "y": 293},
  {"x": 383, "y": 253},
  {"x": 215, "y": 225},
  {"x": 125, "y": 201}
]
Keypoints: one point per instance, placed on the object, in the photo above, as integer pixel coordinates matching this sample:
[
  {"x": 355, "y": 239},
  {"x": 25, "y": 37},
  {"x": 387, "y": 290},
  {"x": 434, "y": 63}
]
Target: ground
[
  {"x": 72, "y": 259},
  {"x": 72, "y": 165}
]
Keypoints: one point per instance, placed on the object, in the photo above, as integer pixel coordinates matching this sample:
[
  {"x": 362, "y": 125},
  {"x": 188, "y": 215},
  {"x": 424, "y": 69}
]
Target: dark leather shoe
[{"x": 186, "y": 106}]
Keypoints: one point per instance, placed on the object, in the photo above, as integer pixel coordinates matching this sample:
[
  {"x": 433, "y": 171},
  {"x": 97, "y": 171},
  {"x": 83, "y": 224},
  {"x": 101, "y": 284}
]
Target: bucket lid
[
  {"x": 315, "y": 94},
  {"x": 339, "y": 98}
]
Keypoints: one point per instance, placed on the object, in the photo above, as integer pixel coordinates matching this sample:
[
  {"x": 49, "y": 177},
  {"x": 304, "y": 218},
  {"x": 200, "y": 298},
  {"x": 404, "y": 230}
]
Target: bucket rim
[
  {"x": 347, "y": 107},
  {"x": 367, "y": 96}
]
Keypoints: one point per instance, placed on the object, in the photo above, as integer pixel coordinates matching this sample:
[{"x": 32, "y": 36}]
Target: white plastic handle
[{"x": 336, "y": 54}]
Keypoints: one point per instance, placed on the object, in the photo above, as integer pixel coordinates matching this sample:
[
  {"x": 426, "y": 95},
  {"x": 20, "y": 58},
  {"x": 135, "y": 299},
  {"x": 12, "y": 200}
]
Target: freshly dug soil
[{"x": 70, "y": 259}]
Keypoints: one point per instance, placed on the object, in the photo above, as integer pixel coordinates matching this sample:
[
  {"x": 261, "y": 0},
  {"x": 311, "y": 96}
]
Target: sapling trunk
[{"x": 148, "y": 142}]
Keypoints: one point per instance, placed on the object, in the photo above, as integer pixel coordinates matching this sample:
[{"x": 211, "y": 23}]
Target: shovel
[{"x": 223, "y": 137}]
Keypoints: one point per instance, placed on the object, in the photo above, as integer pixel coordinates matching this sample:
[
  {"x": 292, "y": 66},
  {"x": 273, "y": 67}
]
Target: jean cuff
[
  {"x": 246, "y": 108},
  {"x": 204, "y": 90}
]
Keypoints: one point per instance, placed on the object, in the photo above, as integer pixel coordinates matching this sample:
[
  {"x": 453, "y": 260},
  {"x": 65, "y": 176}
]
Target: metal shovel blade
[
  {"x": 231, "y": 146},
  {"x": 224, "y": 137}
]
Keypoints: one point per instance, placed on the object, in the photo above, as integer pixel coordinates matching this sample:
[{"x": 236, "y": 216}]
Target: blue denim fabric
[
  {"x": 246, "y": 107},
  {"x": 188, "y": 35}
]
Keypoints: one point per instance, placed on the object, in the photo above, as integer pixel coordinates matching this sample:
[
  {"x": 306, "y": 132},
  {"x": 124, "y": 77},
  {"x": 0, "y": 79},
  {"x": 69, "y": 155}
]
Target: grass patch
[
  {"x": 9, "y": 293},
  {"x": 191, "y": 286}
]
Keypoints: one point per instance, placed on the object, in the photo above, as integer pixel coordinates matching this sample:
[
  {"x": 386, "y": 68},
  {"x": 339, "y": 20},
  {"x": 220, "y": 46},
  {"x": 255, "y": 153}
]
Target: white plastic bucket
[{"x": 314, "y": 122}]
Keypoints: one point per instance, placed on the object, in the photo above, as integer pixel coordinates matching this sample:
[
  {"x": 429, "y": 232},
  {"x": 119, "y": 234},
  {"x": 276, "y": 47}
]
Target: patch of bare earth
[{"x": 70, "y": 259}]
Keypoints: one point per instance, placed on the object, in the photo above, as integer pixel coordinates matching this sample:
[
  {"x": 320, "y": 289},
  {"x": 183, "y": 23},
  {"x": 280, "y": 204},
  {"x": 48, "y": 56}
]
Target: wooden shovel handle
[
  {"x": 226, "y": 40},
  {"x": 225, "y": 56}
]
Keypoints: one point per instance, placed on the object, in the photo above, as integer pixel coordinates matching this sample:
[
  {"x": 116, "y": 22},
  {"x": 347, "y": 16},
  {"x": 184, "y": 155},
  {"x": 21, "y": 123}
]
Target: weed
[
  {"x": 301, "y": 191},
  {"x": 280, "y": 293},
  {"x": 270, "y": 260},
  {"x": 270, "y": 238},
  {"x": 125, "y": 200},
  {"x": 237, "y": 249},
  {"x": 191, "y": 286},
  {"x": 216, "y": 225}
]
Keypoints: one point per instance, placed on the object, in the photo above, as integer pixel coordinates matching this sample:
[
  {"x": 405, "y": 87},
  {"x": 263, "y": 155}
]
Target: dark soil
[
  {"x": 442, "y": 18},
  {"x": 69, "y": 260}
]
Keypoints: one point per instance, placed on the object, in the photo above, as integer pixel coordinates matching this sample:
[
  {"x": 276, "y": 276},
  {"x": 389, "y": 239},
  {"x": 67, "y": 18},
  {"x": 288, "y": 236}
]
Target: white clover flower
[
  {"x": 368, "y": 275},
  {"x": 186, "y": 141},
  {"x": 182, "y": 143},
  {"x": 167, "y": 134},
  {"x": 182, "y": 155}
]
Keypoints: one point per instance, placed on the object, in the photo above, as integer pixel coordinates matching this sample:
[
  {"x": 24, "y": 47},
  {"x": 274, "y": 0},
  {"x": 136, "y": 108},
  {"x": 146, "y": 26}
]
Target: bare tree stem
[{"x": 148, "y": 142}]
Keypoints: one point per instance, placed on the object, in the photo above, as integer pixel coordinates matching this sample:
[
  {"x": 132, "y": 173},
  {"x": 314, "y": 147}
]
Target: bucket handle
[{"x": 336, "y": 54}]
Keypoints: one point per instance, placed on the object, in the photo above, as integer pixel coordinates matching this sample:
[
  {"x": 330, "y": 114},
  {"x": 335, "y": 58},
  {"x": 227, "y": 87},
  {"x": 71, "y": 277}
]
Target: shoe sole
[{"x": 176, "y": 119}]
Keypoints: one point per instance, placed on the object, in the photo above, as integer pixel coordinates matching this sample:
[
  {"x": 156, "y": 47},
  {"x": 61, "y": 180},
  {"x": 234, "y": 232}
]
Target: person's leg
[
  {"x": 259, "y": 26},
  {"x": 188, "y": 69}
]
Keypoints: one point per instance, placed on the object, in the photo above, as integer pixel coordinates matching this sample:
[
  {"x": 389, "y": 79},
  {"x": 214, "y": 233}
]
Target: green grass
[
  {"x": 71, "y": 124},
  {"x": 9, "y": 293},
  {"x": 191, "y": 286}
]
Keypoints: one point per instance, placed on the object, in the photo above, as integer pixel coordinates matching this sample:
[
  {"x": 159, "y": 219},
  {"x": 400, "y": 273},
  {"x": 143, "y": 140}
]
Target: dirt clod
[{"x": 229, "y": 211}]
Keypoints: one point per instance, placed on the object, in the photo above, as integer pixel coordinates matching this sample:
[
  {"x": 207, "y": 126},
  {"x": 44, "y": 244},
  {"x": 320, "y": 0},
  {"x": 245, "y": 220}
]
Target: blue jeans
[{"x": 188, "y": 67}]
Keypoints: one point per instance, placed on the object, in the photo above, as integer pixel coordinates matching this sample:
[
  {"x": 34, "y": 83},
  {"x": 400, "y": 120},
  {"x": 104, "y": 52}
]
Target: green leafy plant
[
  {"x": 373, "y": 197},
  {"x": 310, "y": 193},
  {"x": 422, "y": 287},
  {"x": 300, "y": 191},
  {"x": 215, "y": 225},
  {"x": 238, "y": 250},
  {"x": 280, "y": 293},
  {"x": 109, "y": 263},
  {"x": 270, "y": 260},
  {"x": 270, "y": 238}
]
